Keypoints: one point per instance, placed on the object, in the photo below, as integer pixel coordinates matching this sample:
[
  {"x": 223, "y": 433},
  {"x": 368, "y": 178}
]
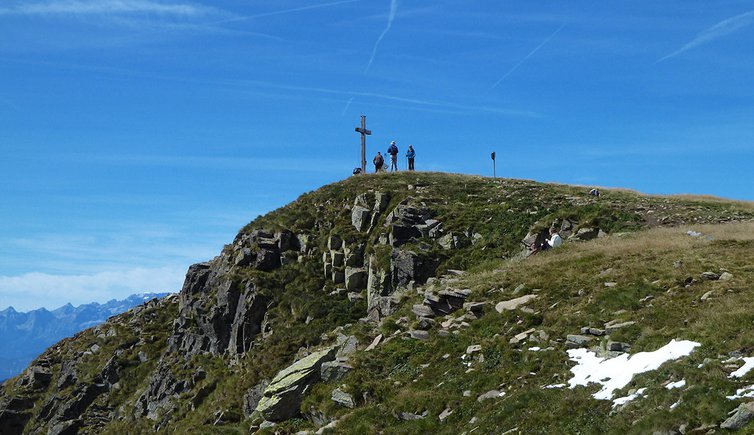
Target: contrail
[
  {"x": 281, "y": 12},
  {"x": 719, "y": 30},
  {"x": 390, "y": 18},
  {"x": 348, "y": 104},
  {"x": 515, "y": 67}
]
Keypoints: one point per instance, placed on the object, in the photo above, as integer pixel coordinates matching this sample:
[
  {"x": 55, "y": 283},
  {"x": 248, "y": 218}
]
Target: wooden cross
[{"x": 364, "y": 133}]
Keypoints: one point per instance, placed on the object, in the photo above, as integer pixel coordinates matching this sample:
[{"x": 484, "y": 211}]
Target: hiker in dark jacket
[
  {"x": 410, "y": 154},
  {"x": 378, "y": 162},
  {"x": 393, "y": 151}
]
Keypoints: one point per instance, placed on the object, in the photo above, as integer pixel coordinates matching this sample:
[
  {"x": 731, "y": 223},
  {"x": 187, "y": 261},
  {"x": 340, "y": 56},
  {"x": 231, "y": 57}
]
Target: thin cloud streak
[
  {"x": 723, "y": 28},
  {"x": 531, "y": 53},
  {"x": 281, "y": 12},
  {"x": 104, "y": 7},
  {"x": 348, "y": 104},
  {"x": 390, "y": 18}
]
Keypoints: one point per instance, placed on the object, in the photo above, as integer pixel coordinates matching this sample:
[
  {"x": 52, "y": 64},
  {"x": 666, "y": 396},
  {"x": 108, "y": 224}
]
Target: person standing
[
  {"x": 378, "y": 162},
  {"x": 410, "y": 154},
  {"x": 393, "y": 151}
]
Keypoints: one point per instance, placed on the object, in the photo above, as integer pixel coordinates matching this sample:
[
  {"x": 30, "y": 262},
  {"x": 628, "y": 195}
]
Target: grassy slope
[{"x": 411, "y": 376}]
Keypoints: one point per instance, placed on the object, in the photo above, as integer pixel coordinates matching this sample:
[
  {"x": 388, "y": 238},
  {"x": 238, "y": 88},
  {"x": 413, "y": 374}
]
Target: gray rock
[
  {"x": 342, "y": 398},
  {"x": 425, "y": 324},
  {"x": 740, "y": 418},
  {"x": 725, "y": 276},
  {"x": 360, "y": 218},
  {"x": 593, "y": 331},
  {"x": 252, "y": 397},
  {"x": 334, "y": 370},
  {"x": 617, "y": 346},
  {"x": 492, "y": 394},
  {"x": 421, "y": 310},
  {"x": 449, "y": 241},
  {"x": 514, "y": 303},
  {"x": 347, "y": 346},
  {"x": 409, "y": 416},
  {"x": 573, "y": 340},
  {"x": 613, "y": 326},
  {"x": 282, "y": 398},
  {"x": 446, "y": 301},
  {"x": 445, "y": 414},
  {"x": 407, "y": 266},
  {"x": 711, "y": 276},
  {"x": 381, "y": 201},
  {"x": 419, "y": 335}
]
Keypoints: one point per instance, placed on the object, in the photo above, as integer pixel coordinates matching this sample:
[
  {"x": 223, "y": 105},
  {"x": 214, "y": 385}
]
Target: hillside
[
  {"x": 406, "y": 303},
  {"x": 23, "y": 336}
]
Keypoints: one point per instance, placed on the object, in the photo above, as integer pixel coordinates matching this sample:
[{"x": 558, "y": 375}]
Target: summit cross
[{"x": 364, "y": 133}]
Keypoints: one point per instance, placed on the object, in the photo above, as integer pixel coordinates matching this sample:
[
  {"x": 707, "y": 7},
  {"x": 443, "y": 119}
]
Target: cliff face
[{"x": 292, "y": 305}]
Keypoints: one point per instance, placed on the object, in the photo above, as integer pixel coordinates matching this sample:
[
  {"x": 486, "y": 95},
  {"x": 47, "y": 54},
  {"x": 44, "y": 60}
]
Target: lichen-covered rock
[{"x": 282, "y": 398}]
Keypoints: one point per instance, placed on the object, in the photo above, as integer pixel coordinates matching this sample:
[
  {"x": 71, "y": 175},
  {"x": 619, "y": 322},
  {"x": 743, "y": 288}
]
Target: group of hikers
[{"x": 392, "y": 151}]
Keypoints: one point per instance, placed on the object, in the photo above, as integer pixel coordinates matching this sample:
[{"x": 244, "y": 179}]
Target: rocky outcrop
[
  {"x": 229, "y": 321},
  {"x": 163, "y": 387},
  {"x": 282, "y": 397},
  {"x": 408, "y": 266}
]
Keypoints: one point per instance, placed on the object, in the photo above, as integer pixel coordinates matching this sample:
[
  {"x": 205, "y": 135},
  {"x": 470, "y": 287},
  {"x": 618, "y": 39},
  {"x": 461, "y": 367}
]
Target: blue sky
[{"x": 138, "y": 136}]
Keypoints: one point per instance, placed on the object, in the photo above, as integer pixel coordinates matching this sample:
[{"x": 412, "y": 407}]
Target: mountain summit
[{"x": 411, "y": 303}]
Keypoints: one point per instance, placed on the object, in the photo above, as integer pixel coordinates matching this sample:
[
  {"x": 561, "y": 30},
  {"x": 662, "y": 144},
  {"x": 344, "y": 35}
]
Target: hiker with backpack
[
  {"x": 410, "y": 154},
  {"x": 393, "y": 151},
  {"x": 378, "y": 162}
]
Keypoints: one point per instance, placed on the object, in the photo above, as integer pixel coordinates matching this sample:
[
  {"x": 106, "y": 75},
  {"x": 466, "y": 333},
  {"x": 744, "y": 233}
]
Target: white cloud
[
  {"x": 104, "y": 7},
  {"x": 33, "y": 290},
  {"x": 723, "y": 28}
]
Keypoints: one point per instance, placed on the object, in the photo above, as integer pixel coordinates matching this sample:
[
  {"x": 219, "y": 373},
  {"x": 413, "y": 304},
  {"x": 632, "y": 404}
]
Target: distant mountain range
[{"x": 23, "y": 336}]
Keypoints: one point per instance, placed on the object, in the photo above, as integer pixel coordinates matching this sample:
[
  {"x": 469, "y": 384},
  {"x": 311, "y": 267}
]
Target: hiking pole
[{"x": 494, "y": 175}]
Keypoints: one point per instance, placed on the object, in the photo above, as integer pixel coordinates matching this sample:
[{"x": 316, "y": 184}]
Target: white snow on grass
[
  {"x": 747, "y": 391},
  {"x": 554, "y": 386},
  {"x": 623, "y": 400},
  {"x": 741, "y": 372},
  {"x": 616, "y": 373},
  {"x": 679, "y": 384}
]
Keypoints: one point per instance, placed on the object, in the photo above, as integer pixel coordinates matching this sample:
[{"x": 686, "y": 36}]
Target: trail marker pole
[
  {"x": 494, "y": 175},
  {"x": 364, "y": 133}
]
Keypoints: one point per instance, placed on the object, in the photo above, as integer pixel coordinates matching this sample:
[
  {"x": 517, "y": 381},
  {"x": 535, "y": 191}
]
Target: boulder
[
  {"x": 740, "y": 418},
  {"x": 421, "y": 310},
  {"x": 282, "y": 398}
]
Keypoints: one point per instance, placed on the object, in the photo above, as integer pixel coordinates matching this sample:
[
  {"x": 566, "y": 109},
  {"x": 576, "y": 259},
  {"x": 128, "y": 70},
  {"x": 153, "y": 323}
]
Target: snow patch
[
  {"x": 616, "y": 373},
  {"x": 747, "y": 391},
  {"x": 741, "y": 372},
  {"x": 623, "y": 400},
  {"x": 679, "y": 384},
  {"x": 554, "y": 386}
]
